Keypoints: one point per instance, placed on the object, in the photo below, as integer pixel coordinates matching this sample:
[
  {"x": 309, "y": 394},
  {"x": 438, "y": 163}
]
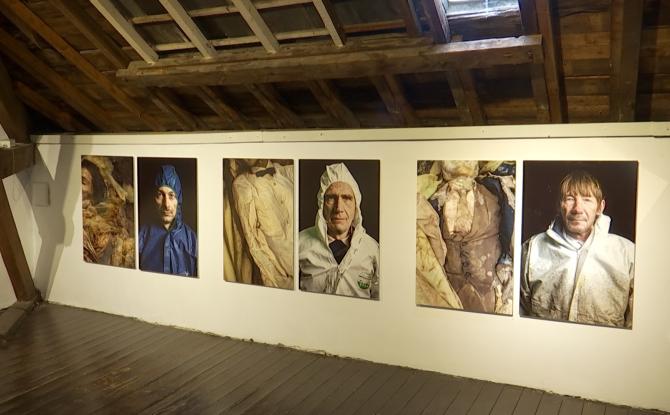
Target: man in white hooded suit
[{"x": 337, "y": 256}]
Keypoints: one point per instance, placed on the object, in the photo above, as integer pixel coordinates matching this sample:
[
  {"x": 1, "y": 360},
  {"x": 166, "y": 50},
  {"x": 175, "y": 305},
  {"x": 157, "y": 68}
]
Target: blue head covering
[{"x": 168, "y": 177}]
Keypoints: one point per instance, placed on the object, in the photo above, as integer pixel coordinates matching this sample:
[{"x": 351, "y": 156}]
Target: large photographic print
[
  {"x": 108, "y": 216},
  {"x": 578, "y": 256},
  {"x": 258, "y": 222},
  {"x": 167, "y": 239},
  {"x": 464, "y": 234},
  {"x": 339, "y": 227}
]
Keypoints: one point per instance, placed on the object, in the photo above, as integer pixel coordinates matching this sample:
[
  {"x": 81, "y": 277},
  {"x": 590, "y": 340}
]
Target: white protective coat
[
  {"x": 357, "y": 275},
  {"x": 592, "y": 285}
]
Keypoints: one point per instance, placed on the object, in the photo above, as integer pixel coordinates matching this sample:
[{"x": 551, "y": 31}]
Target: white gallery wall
[{"x": 629, "y": 367}]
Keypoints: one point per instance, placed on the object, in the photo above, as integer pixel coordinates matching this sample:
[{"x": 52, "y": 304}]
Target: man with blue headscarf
[{"x": 167, "y": 244}]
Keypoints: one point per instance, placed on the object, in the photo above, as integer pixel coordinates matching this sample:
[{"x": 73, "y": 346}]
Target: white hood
[{"x": 337, "y": 173}]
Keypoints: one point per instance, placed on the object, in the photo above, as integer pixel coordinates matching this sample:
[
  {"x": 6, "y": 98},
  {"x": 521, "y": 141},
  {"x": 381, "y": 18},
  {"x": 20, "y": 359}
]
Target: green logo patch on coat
[{"x": 364, "y": 285}]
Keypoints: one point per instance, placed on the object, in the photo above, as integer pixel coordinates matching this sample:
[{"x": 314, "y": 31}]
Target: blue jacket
[{"x": 171, "y": 251}]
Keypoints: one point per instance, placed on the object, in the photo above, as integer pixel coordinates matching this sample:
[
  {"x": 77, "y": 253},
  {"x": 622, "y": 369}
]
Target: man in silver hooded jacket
[
  {"x": 577, "y": 270},
  {"x": 336, "y": 255}
]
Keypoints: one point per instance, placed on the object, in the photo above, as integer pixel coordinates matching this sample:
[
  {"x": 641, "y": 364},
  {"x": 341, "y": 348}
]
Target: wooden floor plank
[
  {"x": 550, "y": 404},
  {"x": 170, "y": 383},
  {"x": 450, "y": 388},
  {"x": 571, "y": 406},
  {"x": 262, "y": 384},
  {"x": 398, "y": 402},
  {"x": 507, "y": 400},
  {"x": 486, "y": 399},
  {"x": 65, "y": 360},
  {"x": 528, "y": 402},
  {"x": 616, "y": 410},
  {"x": 199, "y": 391},
  {"x": 389, "y": 389},
  {"x": 67, "y": 356},
  {"x": 466, "y": 397},
  {"x": 289, "y": 395},
  {"x": 593, "y": 408},
  {"x": 366, "y": 390},
  {"x": 328, "y": 399},
  {"x": 58, "y": 387},
  {"x": 326, "y": 389}
]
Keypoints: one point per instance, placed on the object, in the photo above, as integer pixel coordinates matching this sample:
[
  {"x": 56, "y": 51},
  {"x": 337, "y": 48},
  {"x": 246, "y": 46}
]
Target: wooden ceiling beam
[
  {"x": 270, "y": 99},
  {"x": 12, "y": 113},
  {"x": 409, "y": 17},
  {"x": 391, "y": 92},
  {"x": 325, "y": 92},
  {"x": 539, "y": 85},
  {"x": 11, "y": 249},
  {"x": 625, "y": 34},
  {"x": 343, "y": 63},
  {"x": 552, "y": 60},
  {"x": 437, "y": 20},
  {"x": 35, "y": 100},
  {"x": 79, "y": 62},
  {"x": 91, "y": 30},
  {"x": 255, "y": 21},
  {"x": 167, "y": 101},
  {"x": 186, "y": 23},
  {"x": 331, "y": 21},
  {"x": 221, "y": 108},
  {"x": 17, "y": 52},
  {"x": 126, "y": 29},
  {"x": 464, "y": 90},
  {"x": 216, "y": 11},
  {"x": 528, "y": 16}
]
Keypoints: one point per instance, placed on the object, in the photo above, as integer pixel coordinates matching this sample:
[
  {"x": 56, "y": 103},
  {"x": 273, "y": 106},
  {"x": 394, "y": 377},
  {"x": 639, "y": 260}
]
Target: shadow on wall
[{"x": 57, "y": 166}]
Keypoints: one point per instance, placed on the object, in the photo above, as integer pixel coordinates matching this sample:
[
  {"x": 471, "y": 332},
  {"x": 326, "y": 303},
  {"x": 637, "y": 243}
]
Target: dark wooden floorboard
[
  {"x": 571, "y": 406},
  {"x": 593, "y": 408},
  {"x": 528, "y": 402},
  {"x": 466, "y": 397},
  {"x": 507, "y": 401},
  {"x": 486, "y": 399},
  {"x": 398, "y": 402},
  {"x": 65, "y": 360},
  {"x": 550, "y": 404}
]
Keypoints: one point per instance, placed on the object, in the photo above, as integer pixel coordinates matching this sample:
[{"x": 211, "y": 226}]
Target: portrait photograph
[
  {"x": 108, "y": 210},
  {"x": 578, "y": 234},
  {"x": 465, "y": 234},
  {"x": 258, "y": 222},
  {"x": 167, "y": 240},
  {"x": 338, "y": 247}
]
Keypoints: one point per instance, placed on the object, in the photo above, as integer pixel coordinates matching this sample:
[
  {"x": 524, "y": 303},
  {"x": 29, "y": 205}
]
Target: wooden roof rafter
[
  {"x": 326, "y": 93},
  {"x": 392, "y": 94},
  {"x": 36, "y": 101},
  {"x": 223, "y": 109},
  {"x": 626, "y": 34},
  {"x": 215, "y": 11},
  {"x": 331, "y": 21},
  {"x": 257, "y": 25},
  {"x": 269, "y": 98},
  {"x": 188, "y": 26},
  {"x": 79, "y": 62},
  {"x": 17, "y": 52},
  {"x": 126, "y": 29},
  {"x": 437, "y": 20},
  {"x": 464, "y": 90}
]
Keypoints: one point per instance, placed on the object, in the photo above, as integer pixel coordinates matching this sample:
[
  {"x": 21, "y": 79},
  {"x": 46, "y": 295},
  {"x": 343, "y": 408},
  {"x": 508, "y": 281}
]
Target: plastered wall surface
[{"x": 612, "y": 365}]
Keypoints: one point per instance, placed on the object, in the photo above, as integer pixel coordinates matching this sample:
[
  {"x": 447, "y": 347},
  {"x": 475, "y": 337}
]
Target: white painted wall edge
[{"x": 554, "y": 131}]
